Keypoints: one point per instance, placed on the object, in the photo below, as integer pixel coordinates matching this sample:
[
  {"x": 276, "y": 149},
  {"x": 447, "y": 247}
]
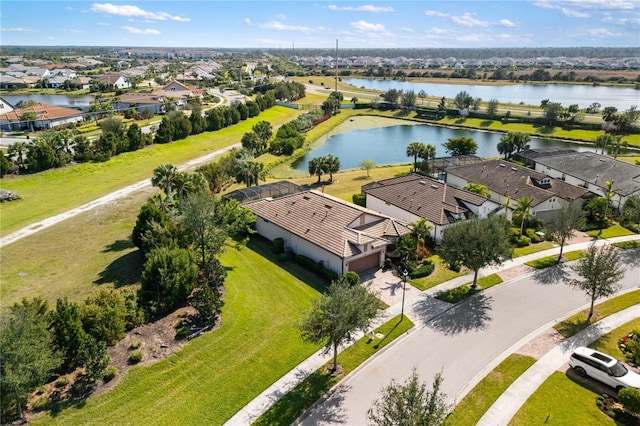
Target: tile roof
[
  {"x": 434, "y": 200},
  {"x": 516, "y": 182},
  {"x": 596, "y": 169},
  {"x": 337, "y": 226},
  {"x": 43, "y": 111}
]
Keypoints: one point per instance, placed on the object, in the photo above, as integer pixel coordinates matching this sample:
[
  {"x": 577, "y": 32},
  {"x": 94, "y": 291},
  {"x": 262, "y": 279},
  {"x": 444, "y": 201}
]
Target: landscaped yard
[
  {"x": 215, "y": 375},
  {"x": 547, "y": 261},
  {"x": 440, "y": 274},
  {"x": 615, "y": 230}
]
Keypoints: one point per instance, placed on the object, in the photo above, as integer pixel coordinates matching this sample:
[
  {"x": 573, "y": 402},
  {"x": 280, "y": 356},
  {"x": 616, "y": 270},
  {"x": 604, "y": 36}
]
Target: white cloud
[
  {"x": 134, "y": 11},
  {"x": 574, "y": 13},
  {"x": 467, "y": 20},
  {"x": 506, "y": 23},
  {"x": 367, "y": 26},
  {"x": 589, "y": 4},
  {"x": 408, "y": 30},
  {"x": 438, "y": 31},
  {"x": 364, "y": 8},
  {"x": 104, "y": 24},
  {"x": 435, "y": 13},
  {"x": 248, "y": 21},
  {"x": 281, "y": 17},
  {"x": 17, "y": 30},
  {"x": 279, "y": 26},
  {"x": 75, "y": 31},
  {"x": 69, "y": 8},
  {"x": 146, "y": 31},
  {"x": 602, "y": 32}
]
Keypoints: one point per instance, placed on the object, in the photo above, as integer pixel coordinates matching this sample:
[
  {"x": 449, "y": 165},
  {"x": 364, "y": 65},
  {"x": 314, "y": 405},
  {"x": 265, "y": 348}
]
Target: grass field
[
  {"x": 616, "y": 230},
  {"x": 473, "y": 406},
  {"x": 54, "y": 191},
  {"x": 215, "y": 375},
  {"x": 547, "y": 261}
]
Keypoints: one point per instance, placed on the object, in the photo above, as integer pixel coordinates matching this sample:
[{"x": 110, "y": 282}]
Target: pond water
[
  {"x": 388, "y": 144},
  {"x": 529, "y": 94},
  {"x": 57, "y": 99}
]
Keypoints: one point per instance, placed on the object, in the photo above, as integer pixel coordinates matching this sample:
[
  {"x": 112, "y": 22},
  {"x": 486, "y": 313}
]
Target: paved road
[{"x": 463, "y": 342}]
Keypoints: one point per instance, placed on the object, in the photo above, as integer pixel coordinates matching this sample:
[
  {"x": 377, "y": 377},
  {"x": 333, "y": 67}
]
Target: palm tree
[
  {"x": 603, "y": 140},
  {"x": 430, "y": 153},
  {"x": 507, "y": 201},
  {"x": 415, "y": 150},
  {"x": 18, "y": 154},
  {"x": 164, "y": 177},
  {"x": 331, "y": 165},
  {"x": 315, "y": 167},
  {"x": 421, "y": 230},
  {"x": 422, "y": 94},
  {"x": 524, "y": 208},
  {"x": 29, "y": 117},
  {"x": 608, "y": 195}
]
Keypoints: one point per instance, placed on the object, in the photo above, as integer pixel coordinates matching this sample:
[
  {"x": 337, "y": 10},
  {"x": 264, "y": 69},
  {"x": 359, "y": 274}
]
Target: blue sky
[{"x": 317, "y": 24}]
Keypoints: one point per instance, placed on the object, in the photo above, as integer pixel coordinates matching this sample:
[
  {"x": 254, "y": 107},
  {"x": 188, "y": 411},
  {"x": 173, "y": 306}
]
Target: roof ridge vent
[{"x": 434, "y": 186}]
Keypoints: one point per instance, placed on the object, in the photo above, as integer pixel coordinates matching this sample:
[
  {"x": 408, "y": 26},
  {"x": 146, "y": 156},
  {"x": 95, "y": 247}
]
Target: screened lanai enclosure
[{"x": 267, "y": 190}]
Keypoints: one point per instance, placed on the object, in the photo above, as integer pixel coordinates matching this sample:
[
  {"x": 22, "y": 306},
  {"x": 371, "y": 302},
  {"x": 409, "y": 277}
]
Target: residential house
[
  {"x": 116, "y": 81},
  {"x": 588, "y": 170},
  {"x": 508, "y": 183},
  {"x": 411, "y": 197},
  {"x": 48, "y": 117},
  {"x": 139, "y": 101},
  {"x": 341, "y": 236}
]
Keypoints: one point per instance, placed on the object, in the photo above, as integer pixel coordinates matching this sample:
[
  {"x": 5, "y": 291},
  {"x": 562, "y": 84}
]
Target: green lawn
[
  {"x": 294, "y": 403},
  {"x": 547, "y": 261},
  {"x": 488, "y": 390},
  {"x": 215, "y": 375},
  {"x": 577, "y": 322},
  {"x": 561, "y": 401},
  {"x": 615, "y": 230},
  {"x": 460, "y": 293},
  {"x": 532, "y": 248},
  {"x": 440, "y": 274},
  {"x": 57, "y": 190}
]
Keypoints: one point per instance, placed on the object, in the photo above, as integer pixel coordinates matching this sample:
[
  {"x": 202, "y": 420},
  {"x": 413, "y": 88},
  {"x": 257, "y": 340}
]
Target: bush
[
  {"x": 278, "y": 245},
  {"x": 630, "y": 398},
  {"x": 109, "y": 373},
  {"x": 182, "y": 332},
  {"x": 135, "y": 356},
  {"x": 61, "y": 382},
  {"x": 41, "y": 402},
  {"x": 317, "y": 268},
  {"x": 283, "y": 257},
  {"x": 135, "y": 345},
  {"x": 531, "y": 233},
  {"x": 359, "y": 199},
  {"x": 423, "y": 270},
  {"x": 352, "y": 277},
  {"x": 522, "y": 241}
]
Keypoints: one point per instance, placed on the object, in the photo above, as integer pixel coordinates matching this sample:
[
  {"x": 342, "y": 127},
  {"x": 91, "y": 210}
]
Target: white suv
[{"x": 604, "y": 368}]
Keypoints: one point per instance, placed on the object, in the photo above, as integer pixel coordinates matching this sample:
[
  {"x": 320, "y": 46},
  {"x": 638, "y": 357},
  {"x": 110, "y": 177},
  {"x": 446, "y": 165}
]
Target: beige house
[{"x": 339, "y": 235}]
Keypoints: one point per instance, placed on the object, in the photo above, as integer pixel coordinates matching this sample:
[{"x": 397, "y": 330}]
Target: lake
[
  {"x": 529, "y": 94},
  {"x": 81, "y": 101},
  {"x": 388, "y": 144}
]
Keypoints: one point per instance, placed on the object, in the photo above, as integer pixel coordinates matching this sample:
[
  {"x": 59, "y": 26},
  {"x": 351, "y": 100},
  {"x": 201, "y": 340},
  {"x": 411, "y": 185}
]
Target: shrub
[
  {"x": 352, "y": 277},
  {"x": 456, "y": 294},
  {"x": 630, "y": 398},
  {"x": 135, "y": 356},
  {"x": 41, "y": 402},
  {"x": 283, "y": 257},
  {"x": 522, "y": 241},
  {"x": 135, "y": 345},
  {"x": 109, "y": 373},
  {"x": 278, "y": 245},
  {"x": 61, "y": 382},
  {"x": 359, "y": 199},
  {"x": 424, "y": 269},
  {"x": 317, "y": 268},
  {"x": 627, "y": 245},
  {"x": 531, "y": 233},
  {"x": 423, "y": 252},
  {"x": 182, "y": 332},
  {"x": 630, "y": 347}
]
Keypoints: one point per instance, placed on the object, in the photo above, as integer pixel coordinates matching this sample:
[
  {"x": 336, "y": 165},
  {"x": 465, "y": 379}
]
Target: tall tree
[
  {"x": 564, "y": 223},
  {"x": 428, "y": 153},
  {"x": 415, "y": 149},
  {"x": 492, "y": 107},
  {"x": 18, "y": 152},
  {"x": 601, "y": 273},
  {"x": 29, "y": 117},
  {"x": 67, "y": 331},
  {"x": 460, "y": 146},
  {"x": 367, "y": 165},
  {"x": 603, "y": 140},
  {"x": 315, "y": 167},
  {"x": 264, "y": 132},
  {"x": 28, "y": 358},
  {"x": 335, "y": 317},
  {"x": 463, "y": 100},
  {"x": 476, "y": 243},
  {"x": 410, "y": 404}
]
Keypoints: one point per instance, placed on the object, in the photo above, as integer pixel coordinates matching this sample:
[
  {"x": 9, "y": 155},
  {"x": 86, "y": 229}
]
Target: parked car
[{"x": 603, "y": 368}]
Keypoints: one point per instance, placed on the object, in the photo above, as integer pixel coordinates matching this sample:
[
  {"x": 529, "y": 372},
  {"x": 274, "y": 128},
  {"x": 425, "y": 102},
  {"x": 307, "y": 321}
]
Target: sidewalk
[
  {"x": 505, "y": 407},
  {"x": 415, "y": 306}
]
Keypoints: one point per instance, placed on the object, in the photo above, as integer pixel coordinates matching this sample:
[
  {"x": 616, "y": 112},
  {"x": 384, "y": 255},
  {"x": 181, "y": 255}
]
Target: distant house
[
  {"x": 588, "y": 170},
  {"x": 180, "y": 91},
  {"x": 411, "y": 197},
  {"x": 341, "y": 236},
  {"x": 115, "y": 81},
  {"x": 48, "y": 117},
  {"x": 141, "y": 102},
  {"x": 507, "y": 180}
]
